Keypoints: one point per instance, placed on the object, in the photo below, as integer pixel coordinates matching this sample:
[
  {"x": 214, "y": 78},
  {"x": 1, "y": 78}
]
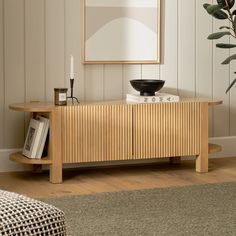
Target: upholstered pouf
[{"x": 21, "y": 216}]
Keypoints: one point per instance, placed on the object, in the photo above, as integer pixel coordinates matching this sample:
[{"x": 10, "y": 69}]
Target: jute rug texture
[{"x": 194, "y": 210}]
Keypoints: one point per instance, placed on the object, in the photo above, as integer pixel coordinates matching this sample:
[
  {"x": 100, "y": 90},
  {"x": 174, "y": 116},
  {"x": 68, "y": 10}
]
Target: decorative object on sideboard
[
  {"x": 159, "y": 97},
  {"x": 36, "y": 137},
  {"x": 147, "y": 87},
  {"x": 60, "y": 96},
  {"x": 72, "y": 97},
  {"x": 223, "y": 11},
  {"x": 32, "y": 141},
  {"x": 42, "y": 143}
]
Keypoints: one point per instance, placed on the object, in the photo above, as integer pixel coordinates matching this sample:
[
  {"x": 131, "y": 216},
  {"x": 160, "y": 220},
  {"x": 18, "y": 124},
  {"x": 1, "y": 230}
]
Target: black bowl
[{"x": 147, "y": 87}]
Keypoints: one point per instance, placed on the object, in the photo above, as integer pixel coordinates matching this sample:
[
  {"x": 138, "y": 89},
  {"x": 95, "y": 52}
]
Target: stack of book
[
  {"x": 36, "y": 137},
  {"x": 159, "y": 97}
]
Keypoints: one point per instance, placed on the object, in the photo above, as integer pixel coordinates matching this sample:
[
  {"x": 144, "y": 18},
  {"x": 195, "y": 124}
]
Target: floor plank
[{"x": 122, "y": 178}]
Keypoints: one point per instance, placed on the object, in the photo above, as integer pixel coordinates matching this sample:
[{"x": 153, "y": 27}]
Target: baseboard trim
[
  {"x": 9, "y": 166},
  {"x": 227, "y": 143}
]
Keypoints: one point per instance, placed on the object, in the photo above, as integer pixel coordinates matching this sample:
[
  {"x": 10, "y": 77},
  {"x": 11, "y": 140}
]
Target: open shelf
[
  {"x": 213, "y": 148},
  {"x": 19, "y": 158}
]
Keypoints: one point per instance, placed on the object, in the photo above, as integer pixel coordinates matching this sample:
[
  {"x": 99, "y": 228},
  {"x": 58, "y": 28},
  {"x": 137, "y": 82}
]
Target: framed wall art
[{"x": 121, "y": 31}]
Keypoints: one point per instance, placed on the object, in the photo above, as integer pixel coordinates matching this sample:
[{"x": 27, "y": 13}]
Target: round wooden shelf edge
[
  {"x": 213, "y": 148},
  {"x": 33, "y": 107},
  {"x": 19, "y": 158}
]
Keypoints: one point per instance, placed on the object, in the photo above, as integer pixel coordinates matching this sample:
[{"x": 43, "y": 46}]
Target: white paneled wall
[
  {"x": 204, "y": 66},
  {"x": 2, "y": 94},
  {"x": 169, "y": 44},
  {"x": 37, "y": 38},
  {"x": 186, "y": 48},
  {"x": 14, "y": 70}
]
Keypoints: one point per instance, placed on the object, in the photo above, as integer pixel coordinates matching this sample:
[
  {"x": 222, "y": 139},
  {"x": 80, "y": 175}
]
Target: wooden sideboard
[{"x": 117, "y": 130}]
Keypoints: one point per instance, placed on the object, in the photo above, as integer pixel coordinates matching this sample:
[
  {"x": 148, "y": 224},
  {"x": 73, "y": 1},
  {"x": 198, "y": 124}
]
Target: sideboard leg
[
  {"x": 202, "y": 163},
  {"x": 175, "y": 160},
  {"x": 55, "y": 146},
  {"x": 55, "y": 174},
  {"x": 202, "y": 158}
]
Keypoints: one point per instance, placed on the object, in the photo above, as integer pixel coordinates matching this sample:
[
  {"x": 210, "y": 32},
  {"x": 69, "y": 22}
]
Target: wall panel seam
[
  {"x": 65, "y": 48},
  {"x": 122, "y": 80},
  {"x": 177, "y": 41},
  {"x": 195, "y": 42},
  {"x": 103, "y": 82},
  {"x": 45, "y": 48},
  {"x": 212, "y": 79},
  {"x": 4, "y": 71},
  {"x": 24, "y": 50}
]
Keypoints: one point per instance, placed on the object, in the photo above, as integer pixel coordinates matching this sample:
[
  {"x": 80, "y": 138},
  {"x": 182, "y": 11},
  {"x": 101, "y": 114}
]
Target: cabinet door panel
[
  {"x": 166, "y": 129},
  {"x": 96, "y": 133}
]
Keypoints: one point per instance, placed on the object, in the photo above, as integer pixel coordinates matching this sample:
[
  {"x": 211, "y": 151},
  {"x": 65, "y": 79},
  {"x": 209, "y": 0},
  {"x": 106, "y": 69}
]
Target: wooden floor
[{"x": 87, "y": 181}]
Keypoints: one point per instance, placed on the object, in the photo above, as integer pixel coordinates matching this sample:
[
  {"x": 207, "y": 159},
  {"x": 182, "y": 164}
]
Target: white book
[
  {"x": 43, "y": 136},
  {"x": 159, "y": 97},
  {"x": 33, "y": 138}
]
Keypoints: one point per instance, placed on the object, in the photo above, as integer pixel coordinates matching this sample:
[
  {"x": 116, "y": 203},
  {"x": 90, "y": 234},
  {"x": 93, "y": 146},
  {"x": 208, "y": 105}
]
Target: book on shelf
[
  {"x": 33, "y": 137},
  {"x": 159, "y": 97},
  {"x": 43, "y": 135}
]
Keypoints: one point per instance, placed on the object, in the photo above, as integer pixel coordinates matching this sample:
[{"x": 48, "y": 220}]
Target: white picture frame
[
  {"x": 43, "y": 137},
  {"x": 121, "y": 31},
  {"x": 32, "y": 140}
]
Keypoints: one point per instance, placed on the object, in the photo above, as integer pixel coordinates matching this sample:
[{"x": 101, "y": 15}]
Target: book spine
[
  {"x": 43, "y": 139},
  {"x": 153, "y": 99},
  {"x": 37, "y": 140}
]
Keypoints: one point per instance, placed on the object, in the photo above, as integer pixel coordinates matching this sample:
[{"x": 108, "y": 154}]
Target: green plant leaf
[
  {"x": 225, "y": 45},
  {"x": 220, "y": 15},
  {"x": 230, "y": 86},
  {"x": 224, "y": 27},
  {"x": 223, "y": 4},
  {"x": 213, "y": 8},
  {"x": 229, "y": 59},
  {"x": 205, "y": 5},
  {"x": 218, "y": 35}
]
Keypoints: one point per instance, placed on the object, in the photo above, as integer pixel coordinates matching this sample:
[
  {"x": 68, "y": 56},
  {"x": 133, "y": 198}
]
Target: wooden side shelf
[
  {"x": 213, "y": 148},
  {"x": 19, "y": 158}
]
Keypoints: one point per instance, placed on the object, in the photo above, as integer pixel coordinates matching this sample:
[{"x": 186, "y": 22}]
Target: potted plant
[{"x": 223, "y": 11}]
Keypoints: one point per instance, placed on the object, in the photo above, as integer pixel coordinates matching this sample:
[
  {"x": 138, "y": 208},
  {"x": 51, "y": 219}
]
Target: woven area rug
[{"x": 196, "y": 210}]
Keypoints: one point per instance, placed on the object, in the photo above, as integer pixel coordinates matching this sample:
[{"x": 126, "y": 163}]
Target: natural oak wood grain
[
  {"x": 202, "y": 157},
  {"x": 36, "y": 106},
  {"x": 55, "y": 146},
  {"x": 18, "y": 157},
  {"x": 119, "y": 130},
  {"x": 166, "y": 129},
  {"x": 39, "y": 106},
  {"x": 54, "y": 154},
  {"x": 94, "y": 133}
]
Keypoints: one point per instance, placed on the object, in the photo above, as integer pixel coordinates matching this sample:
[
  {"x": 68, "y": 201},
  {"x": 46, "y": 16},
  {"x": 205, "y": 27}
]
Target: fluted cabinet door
[
  {"x": 93, "y": 133},
  {"x": 166, "y": 129}
]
